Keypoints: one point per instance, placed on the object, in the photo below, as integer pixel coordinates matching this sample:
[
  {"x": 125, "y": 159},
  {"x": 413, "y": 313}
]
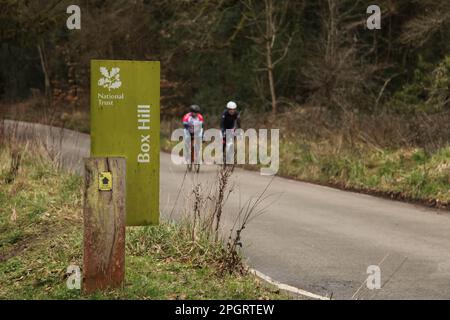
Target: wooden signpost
[{"x": 104, "y": 223}]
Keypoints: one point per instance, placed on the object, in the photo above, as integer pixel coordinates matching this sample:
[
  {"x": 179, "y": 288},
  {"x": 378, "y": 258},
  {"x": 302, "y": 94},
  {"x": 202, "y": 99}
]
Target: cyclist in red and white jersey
[
  {"x": 193, "y": 131},
  {"x": 193, "y": 121}
]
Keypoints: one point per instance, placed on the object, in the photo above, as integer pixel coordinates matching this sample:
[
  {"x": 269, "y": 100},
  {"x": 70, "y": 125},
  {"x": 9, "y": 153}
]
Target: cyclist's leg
[
  {"x": 187, "y": 146},
  {"x": 192, "y": 149},
  {"x": 224, "y": 147},
  {"x": 197, "y": 148},
  {"x": 229, "y": 146}
]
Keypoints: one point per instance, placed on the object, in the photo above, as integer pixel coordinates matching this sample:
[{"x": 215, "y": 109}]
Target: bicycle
[{"x": 192, "y": 165}]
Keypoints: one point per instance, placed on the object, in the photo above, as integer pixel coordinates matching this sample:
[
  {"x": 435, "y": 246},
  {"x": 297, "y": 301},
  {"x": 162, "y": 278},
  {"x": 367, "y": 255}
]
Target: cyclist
[
  {"x": 193, "y": 132},
  {"x": 230, "y": 120}
]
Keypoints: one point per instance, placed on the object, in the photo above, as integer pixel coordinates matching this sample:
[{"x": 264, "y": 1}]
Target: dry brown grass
[{"x": 349, "y": 130}]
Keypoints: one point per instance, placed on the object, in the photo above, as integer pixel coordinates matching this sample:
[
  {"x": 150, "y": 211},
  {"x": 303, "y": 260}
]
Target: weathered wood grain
[{"x": 104, "y": 225}]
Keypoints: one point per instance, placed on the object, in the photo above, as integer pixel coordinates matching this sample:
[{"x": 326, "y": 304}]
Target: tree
[{"x": 270, "y": 32}]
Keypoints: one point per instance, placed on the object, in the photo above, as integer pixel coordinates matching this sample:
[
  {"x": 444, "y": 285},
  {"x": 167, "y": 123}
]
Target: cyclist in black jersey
[{"x": 230, "y": 120}]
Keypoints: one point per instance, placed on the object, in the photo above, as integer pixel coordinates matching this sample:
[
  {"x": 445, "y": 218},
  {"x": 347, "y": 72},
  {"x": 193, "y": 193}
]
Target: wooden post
[{"x": 104, "y": 224}]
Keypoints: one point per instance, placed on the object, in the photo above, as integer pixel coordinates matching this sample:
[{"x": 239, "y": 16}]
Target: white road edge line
[{"x": 286, "y": 287}]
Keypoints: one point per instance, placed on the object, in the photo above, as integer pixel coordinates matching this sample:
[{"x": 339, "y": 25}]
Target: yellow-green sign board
[{"x": 125, "y": 123}]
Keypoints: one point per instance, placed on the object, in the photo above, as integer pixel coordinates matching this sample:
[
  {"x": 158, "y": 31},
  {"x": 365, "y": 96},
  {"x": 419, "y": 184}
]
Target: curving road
[{"x": 313, "y": 237}]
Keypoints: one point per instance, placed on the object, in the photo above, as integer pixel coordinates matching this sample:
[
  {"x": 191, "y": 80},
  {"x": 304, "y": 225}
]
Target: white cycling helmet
[{"x": 231, "y": 105}]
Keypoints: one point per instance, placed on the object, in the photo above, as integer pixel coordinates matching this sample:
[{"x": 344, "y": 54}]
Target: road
[{"x": 313, "y": 237}]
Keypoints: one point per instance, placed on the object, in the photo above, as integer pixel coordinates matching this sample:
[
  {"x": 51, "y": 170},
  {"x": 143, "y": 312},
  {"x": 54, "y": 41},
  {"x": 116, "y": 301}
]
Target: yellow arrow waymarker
[{"x": 105, "y": 181}]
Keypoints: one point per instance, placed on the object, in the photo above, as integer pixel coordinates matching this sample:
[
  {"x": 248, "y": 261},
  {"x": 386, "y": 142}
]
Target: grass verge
[
  {"x": 404, "y": 174},
  {"x": 41, "y": 235}
]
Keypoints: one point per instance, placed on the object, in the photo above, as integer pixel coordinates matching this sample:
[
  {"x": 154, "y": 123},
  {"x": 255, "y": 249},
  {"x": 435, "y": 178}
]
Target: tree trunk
[
  {"x": 270, "y": 34},
  {"x": 44, "y": 67}
]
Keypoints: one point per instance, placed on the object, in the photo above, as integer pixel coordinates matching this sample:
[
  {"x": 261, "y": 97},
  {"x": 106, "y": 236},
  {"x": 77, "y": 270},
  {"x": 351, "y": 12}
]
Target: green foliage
[
  {"x": 427, "y": 92},
  {"x": 388, "y": 169},
  {"x": 70, "y": 188},
  {"x": 420, "y": 157},
  {"x": 10, "y": 237}
]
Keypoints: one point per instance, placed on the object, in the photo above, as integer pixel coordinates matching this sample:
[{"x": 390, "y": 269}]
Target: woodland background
[{"x": 365, "y": 109}]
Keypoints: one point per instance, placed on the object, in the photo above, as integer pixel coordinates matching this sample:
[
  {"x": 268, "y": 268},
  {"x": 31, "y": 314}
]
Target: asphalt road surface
[{"x": 312, "y": 237}]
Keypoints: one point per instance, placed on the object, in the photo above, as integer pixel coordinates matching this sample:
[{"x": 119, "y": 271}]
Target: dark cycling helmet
[{"x": 195, "y": 108}]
